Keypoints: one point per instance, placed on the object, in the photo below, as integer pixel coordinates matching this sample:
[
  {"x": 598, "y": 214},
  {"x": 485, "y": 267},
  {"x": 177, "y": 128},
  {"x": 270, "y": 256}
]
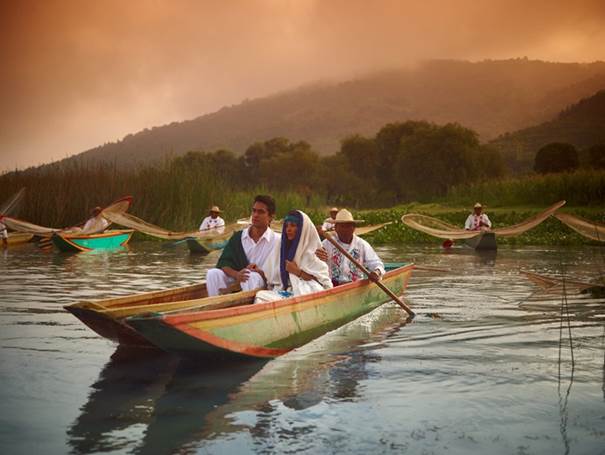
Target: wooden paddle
[{"x": 367, "y": 272}]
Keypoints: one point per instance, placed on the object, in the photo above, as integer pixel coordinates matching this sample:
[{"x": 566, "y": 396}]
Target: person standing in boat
[
  {"x": 341, "y": 269},
  {"x": 477, "y": 221},
  {"x": 293, "y": 268},
  {"x": 213, "y": 221},
  {"x": 328, "y": 224},
  {"x": 246, "y": 252}
]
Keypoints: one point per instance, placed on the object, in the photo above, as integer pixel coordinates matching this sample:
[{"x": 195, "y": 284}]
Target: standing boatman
[
  {"x": 213, "y": 220},
  {"x": 477, "y": 221}
]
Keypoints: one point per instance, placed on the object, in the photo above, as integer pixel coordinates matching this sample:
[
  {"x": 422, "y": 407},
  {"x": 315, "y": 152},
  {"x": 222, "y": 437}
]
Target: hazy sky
[{"x": 76, "y": 74}]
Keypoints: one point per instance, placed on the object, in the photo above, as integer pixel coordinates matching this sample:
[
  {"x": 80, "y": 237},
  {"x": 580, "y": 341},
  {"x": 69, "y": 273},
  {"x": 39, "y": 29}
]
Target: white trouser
[{"x": 216, "y": 280}]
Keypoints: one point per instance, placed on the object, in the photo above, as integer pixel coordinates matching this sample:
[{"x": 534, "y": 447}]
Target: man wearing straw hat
[
  {"x": 477, "y": 221},
  {"x": 213, "y": 220},
  {"x": 341, "y": 269}
]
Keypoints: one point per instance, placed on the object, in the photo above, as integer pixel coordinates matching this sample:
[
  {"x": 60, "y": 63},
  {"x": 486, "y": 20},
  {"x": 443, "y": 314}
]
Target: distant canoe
[
  {"x": 87, "y": 242},
  {"x": 17, "y": 238},
  {"x": 265, "y": 329},
  {"x": 199, "y": 245}
]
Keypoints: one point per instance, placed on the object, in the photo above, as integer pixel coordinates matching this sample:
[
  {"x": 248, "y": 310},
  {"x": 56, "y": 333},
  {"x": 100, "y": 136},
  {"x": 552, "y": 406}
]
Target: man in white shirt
[
  {"x": 245, "y": 254},
  {"x": 213, "y": 220},
  {"x": 96, "y": 223},
  {"x": 328, "y": 224},
  {"x": 477, "y": 221},
  {"x": 341, "y": 269}
]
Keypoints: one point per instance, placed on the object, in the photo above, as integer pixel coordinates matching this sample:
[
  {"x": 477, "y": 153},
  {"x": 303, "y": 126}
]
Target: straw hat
[
  {"x": 344, "y": 216},
  {"x": 215, "y": 209},
  {"x": 478, "y": 206},
  {"x": 334, "y": 209}
]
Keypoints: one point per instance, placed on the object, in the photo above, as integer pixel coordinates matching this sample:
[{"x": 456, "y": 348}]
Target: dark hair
[{"x": 268, "y": 201}]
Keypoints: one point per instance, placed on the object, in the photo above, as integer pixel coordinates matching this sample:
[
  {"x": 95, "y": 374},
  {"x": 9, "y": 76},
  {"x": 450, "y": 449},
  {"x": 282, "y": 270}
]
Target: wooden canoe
[
  {"x": 17, "y": 238},
  {"x": 107, "y": 316},
  {"x": 269, "y": 329},
  {"x": 199, "y": 245},
  {"x": 483, "y": 241},
  {"x": 87, "y": 242}
]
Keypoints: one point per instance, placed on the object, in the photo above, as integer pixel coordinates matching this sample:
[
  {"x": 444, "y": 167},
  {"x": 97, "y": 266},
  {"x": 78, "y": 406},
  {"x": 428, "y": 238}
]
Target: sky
[{"x": 76, "y": 74}]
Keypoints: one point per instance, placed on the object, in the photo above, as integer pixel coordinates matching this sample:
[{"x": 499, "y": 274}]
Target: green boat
[
  {"x": 267, "y": 329},
  {"x": 201, "y": 246},
  {"x": 86, "y": 242}
]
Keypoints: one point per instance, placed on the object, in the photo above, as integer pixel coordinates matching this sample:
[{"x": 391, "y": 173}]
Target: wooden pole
[{"x": 367, "y": 272}]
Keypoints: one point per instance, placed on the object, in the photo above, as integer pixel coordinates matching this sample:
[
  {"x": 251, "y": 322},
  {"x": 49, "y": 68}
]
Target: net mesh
[
  {"x": 119, "y": 206},
  {"x": 443, "y": 230},
  {"x": 586, "y": 228},
  {"x": 133, "y": 222}
]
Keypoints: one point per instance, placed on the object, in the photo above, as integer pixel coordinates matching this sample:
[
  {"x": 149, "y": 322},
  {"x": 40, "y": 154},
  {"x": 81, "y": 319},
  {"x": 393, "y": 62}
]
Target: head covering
[
  {"x": 334, "y": 209},
  {"x": 344, "y": 216},
  {"x": 215, "y": 209},
  {"x": 302, "y": 251},
  {"x": 477, "y": 205},
  {"x": 288, "y": 247}
]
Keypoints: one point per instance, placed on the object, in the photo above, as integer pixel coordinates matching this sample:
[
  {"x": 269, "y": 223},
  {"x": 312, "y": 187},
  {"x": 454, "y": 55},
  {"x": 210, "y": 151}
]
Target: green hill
[
  {"x": 582, "y": 124},
  {"x": 491, "y": 97}
]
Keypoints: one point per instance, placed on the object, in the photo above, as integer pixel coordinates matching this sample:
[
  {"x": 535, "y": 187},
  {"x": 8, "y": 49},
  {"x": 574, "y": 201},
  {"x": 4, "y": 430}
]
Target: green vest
[{"x": 233, "y": 254}]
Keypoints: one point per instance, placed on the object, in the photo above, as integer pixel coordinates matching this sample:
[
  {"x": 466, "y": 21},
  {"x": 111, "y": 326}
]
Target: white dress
[{"x": 305, "y": 259}]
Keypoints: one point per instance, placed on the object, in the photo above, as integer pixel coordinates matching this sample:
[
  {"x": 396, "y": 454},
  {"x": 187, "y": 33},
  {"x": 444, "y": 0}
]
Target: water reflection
[
  {"x": 194, "y": 391},
  {"x": 122, "y": 398}
]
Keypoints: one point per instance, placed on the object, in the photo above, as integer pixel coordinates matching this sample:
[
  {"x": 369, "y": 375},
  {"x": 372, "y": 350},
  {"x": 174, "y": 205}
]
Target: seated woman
[{"x": 292, "y": 268}]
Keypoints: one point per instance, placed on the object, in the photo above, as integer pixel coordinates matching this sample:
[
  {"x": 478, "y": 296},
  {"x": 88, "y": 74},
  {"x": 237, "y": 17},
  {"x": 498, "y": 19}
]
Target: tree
[
  {"x": 596, "y": 156},
  {"x": 556, "y": 157}
]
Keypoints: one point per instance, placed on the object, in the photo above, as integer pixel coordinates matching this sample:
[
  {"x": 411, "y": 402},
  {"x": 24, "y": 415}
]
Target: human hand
[
  {"x": 374, "y": 277},
  {"x": 292, "y": 267},
  {"x": 321, "y": 254},
  {"x": 242, "y": 275}
]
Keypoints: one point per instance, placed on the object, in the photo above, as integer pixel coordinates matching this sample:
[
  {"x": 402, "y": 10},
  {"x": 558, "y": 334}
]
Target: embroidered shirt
[
  {"x": 473, "y": 222},
  {"x": 342, "y": 270},
  {"x": 211, "y": 223}
]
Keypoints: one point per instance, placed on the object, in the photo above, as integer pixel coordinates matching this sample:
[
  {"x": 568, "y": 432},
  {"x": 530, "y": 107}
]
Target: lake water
[{"x": 490, "y": 365}]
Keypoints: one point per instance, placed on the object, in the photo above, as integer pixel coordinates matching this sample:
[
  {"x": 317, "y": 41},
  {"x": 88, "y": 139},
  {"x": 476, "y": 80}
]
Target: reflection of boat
[
  {"x": 192, "y": 393},
  {"x": 107, "y": 316},
  {"x": 266, "y": 329},
  {"x": 484, "y": 241},
  {"x": 122, "y": 398},
  {"x": 17, "y": 238},
  {"x": 87, "y": 242}
]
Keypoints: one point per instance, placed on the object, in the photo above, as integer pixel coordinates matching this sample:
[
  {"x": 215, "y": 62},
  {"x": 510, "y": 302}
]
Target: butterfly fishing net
[
  {"x": 443, "y": 230},
  {"x": 586, "y": 228}
]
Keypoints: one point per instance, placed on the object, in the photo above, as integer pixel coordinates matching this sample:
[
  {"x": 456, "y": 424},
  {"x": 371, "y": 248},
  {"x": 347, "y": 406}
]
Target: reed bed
[{"x": 580, "y": 188}]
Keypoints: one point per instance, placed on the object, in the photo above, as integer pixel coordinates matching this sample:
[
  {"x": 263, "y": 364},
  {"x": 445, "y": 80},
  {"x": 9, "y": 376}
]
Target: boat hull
[
  {"x": 200, "y": 246},
  {"x": 103, "y": 241},
  {"x": 266, "y": 329},
  {"x": 107, "y": 317},
  {"x": 483, "y": 241},
  {"x": 18, "y": 238}
]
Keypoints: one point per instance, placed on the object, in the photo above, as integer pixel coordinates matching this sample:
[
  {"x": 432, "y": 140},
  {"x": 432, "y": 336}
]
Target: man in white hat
[
  {"x": 213, "y": 220},
  {"x": 328, "y": 224},
  {"x": 477, "y": 221},
  {"x": 341, "y": 269}
]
